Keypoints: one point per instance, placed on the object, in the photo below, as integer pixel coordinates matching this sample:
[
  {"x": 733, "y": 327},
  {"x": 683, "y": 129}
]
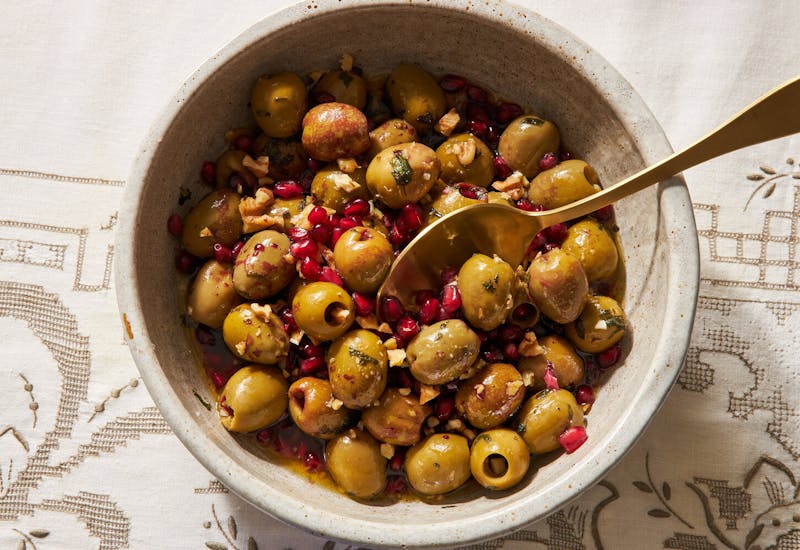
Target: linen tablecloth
[{"x": 86, "y": 461}]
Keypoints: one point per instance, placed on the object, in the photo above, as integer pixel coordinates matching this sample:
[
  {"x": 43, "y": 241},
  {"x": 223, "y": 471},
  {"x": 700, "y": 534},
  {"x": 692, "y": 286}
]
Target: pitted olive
[
  {"x": 253, "y": 398},
  {"x": 355, "y": 463},
  {"x": 253, "y": 333},
  {"x": 357, "y": 368},
  {"x": 499, "y": 459},
  {"x": 402, "y": 174},
  {"x": 392, "y": 132},
  {"x": 215, "y": 219},
  {"x": 525, "y": 141},
  {"x": 396, "y": 419},
  {"x": 323, "y": 310},
  {"x": 545, "y": 416},
  {"x": 230, "y": 163},
  {"x": 287, "y": 158},
  {"x": 335, "y": 130},
  {"x": 278, "y": 103},
  {"x": 333, "y": 188},
  {"x": 589, "y": 241},
  {"x": 263, "y": 266},
  {"x": 558, "y": 285},
  {"x": 443, "y": 351},
  {"x": 465, "y": 158},
  {"x": 568, "y": 367},
  {"x": 486, "y": 285},
  {"x": 600, "y": 325},
  {"x": 568, "y": 182},
  {"x": 438, "y": 464},
  {"x": 312, "y": 409},
  {"x": 212, "y": 294},
  {"x": 491, "y": 396},
  {"x": 363, "y": 257},
  {"x": 449, "y": 199},
  {"x": 344, "y": 87},
  {"x": 416, "y": 96}
]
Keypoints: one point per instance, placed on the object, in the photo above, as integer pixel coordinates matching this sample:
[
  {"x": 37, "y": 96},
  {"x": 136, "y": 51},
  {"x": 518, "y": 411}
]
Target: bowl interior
[{"x": 527, "y": 59}]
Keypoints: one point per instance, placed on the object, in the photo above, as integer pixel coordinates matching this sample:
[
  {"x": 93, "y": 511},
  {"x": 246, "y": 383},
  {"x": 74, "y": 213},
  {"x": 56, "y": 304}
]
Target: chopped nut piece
[
  {"x": 255, "y": 211},
  {"x": 527, "y": 378},
  {"x": 348, "y": 165},
  {"x": 601, "y": 325},
  {"x": 334, "y": 404},
  {"x": 469, "y": 434},
  {"x": 396, "y": 357},
  {"x": 586, "y": 408},
  {"x": 346, "y": 63},
  {"x": 385, "y": 328},
  {"x": 344, "y": 183},
  {"x": 369, "y": 322},
  {"x": 241, "y": 347},
  {"x": 387, "y": 450},
  {"x": 464, "y": 151},
  {"x": 426, "y": 393},
  {"x": 432, "y": 422},
  {"x": 455, "y": 424},
  {"x": 513, "y": 387},
  {"x": 514, "y": 185},
  {"x": 261, "y": 312},
  {"x": 447, "y": 123},
  {"x": 404, "y": 392},
  {"x": 529, "y": 346},
  {"x": 479, "y": 389},
  {"x": 206, "y": 232},
  {"x": 258, "y": 166},
  {"x": 390, "y": 343},
  {"x": 296, "y": 336}
]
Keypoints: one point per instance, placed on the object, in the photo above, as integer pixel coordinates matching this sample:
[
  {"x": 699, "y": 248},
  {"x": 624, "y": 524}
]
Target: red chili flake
[
  {"x": 573, "y": 438},
  {"x": 550, "y": 379},
  {"x": 175, "y": 225}
]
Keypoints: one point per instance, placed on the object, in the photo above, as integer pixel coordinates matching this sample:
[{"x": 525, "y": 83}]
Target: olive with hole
[
  {"x": 499, "y": 459},
  {"x": 278, "y": 103},
  {"x": 343, "y": 87},
  {"x": 333, "y": 188},
  {"x": 287, "y": 158},
  {"x": 415, "y": 96},
  {"x": 447, "y": 200},
  {"x": 363, "y": 257},
  {"x": 402, "y": 174},
  {"x": 231, "y": 163},
  {"x": 568, "y": 182},
  {"x": 335, "y": 130},
  {"x": 397, "y": 419},
  {"x": 253, "y": 398},
  {"x": 357, "y": 368},
  {"x": 438, "y": 464},
  {"x": 355, "y": 463},
  {"x": 557, "y": 285},
  {"x": 486, "y": 285},
  {"x": 312, "y": 410},
  {"x": 263, "y": 267},
  {"x": 491, "y": 396},
  {"x": 545, "y": 416},
  {"x": 594, "y": 247},
  {"x": 323, "y": 310},
  {"x": 392, "y": 132},
  {"x": 568, "y": 367},
  {"x": 253, "y": 333},
  {"x": 601, "y": 324},
  {"x": 525, "y": 141},
  {"x": 212, "y": 295},
  {"x": 443, "y": 351},
  {"x": 465, "y": 158},
  {"x": 215, "y": 219}
]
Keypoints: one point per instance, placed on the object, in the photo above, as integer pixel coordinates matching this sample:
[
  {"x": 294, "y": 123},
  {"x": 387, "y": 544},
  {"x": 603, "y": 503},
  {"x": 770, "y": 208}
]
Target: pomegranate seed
[
  {"x": 321, "y": 233},
  {"x": 474, "y": 93},
  {"x": 565, "y": 155},
  {"x": 237, "y": 182},
  {"x": 507, "y": 112},
  {"x": 395, "y": 485},
  {"x": 391, "y": 309},
  {"x": 476, "y": 111},
  {"x": 209, "y": 172},
  {"x": 548, "y": 247},
  {"x": 336, "y": 232},
  {"x": 306, "y": 248},
  {"x": 524, "y": 313},
  {"x": 310, "y": 269},
  {"x": 448, "y": 275},
  {"x": 452, "y": 83},
  {"x": 584, "y": 394},
  {"x": 528, "y": 206},
  {"x": 185, "y": 262},
  {"x": 328, "y": 274},
  {"x": 357, "y": 208},
  {"x": 324, "y": 97},
  {"x": 243, "y": 142},
  {"x": 312, "y": 365},
  {"x": 548, "y": 161},
  {"x": 471, "y": 191},
  {"x": 423, "y": 296},
  {"x": 396, "y": 237},
  {"x": 287, "y": 316},
  {"x": 236, "y": 249},
  {"x": 555, "y": 233},
  {"x": 334, "y": 220},
  {"x": 218, "y": 379},
  {"x": 175, "y": 225},
  {"x": 477, "y": 128},
  {"x": 288, "y": 189},
  {"x": 317, "y": 215},
  {"x": 396, "y": 463},
  {"x": 266, "y": 436},
  {"x": 402, "y": 377},
  {"x": 550, "y": 379},
  {"x": 298, "y": 234},
  {"x": 308, "y": 350},
  {"x": 364, "y": 304},
  {"x": 306, "y": 179},
  {"x": 451, "y": 298},
  {"x": 445, "y": 407},
  {"x": 492, "y": 355},
  {"x": 204, "y": 336},
  {"x": 501, "y": 167},
  {"x": 511, "y": 351},
  {"x": 428, "y": 311},
  {"x": 313, "y": 165},
  {"x": 348, "y": 222},
  {"x": 537, "y": 242},
  {"x": 511, "y": 333},
  {"x": 573, "y": 438},
  {"x": 406, "y": 329},
  {"x": 604, "y": 214},
  {"x": 445, "y": 315},
  {"x": 608, "y": 358},
  {"x": 411, "y": 218},
  {"x": 223, "y": 254},
  {"x": 492, "y": 135}
]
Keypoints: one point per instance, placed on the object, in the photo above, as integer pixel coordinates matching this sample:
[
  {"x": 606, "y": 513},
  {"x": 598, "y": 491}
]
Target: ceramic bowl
[{"x": 503, "y": 48}]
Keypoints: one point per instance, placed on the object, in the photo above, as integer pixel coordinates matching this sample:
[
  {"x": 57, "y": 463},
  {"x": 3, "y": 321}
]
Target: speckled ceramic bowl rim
[{"x": 683, "y": 275}]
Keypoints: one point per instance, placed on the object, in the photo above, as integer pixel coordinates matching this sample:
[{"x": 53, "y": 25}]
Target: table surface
[{"x": 86, "y": 461}]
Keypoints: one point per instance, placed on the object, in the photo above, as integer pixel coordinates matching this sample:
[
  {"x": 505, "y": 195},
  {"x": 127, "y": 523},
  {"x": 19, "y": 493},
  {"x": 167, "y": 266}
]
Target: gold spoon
[{"x": 507, "y": 231}]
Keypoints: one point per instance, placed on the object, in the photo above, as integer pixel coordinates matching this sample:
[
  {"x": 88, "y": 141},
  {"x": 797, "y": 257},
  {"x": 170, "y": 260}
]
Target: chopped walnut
[
  {"x": 346, "y": 63},
  {"x": 601, "y": 325},
  {"x": 345, "y": 183},
  {"x": 347, "y": 165},
  {"x": 464, "y": 151},
  {"x": 528, "y": 378},
  {"x": 447, "y": 123},
  {"x": 405, "y": 392},
  {"x": 479, "y": 389},
  {"x": 255, "y": 211},
  {"x": 396, "y": 357},
  {"x": 385, "y": 328},
  {"x": 390, "y": 343},
  {"x": 296, "y": 336},
  {"x": 261, "y": 312},
  {"x": 369, "y": 322},
  {"x": 514, "y": 185},
  {"x": 455, "y": 424},
  {"x": 432, "y": 422},
  {"x": 426, "y": 393},
  {"x": 529, "y": 346},
  {"x": 259, "y": 166},
  {"x": 513, "y": 387},
  {"x": 387, "y": 450},
  {"x": 206, "y": 232},
  {"x": 334, "y": 403},
  {"x": 241, "y": 347}
]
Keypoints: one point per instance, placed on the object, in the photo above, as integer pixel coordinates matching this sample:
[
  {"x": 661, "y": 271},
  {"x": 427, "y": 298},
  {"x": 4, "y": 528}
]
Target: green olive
[
  {"x": 499, "y": 459},
  {"x": 416, "y": 96},
  {"x": 355, "y": 463},
  {"x": 558, "y": 285},
  {"x": 363, "y": 257},
  {"x": 288, "y": 209},
  {"x": 358, "y": 368},
  {"x": 215, "y": 219},
  {"x": 486, "y": 285},
  {"x": 254, "y": 333},
  {"x": 335, "y": 130},
  {"x": 491, "y": 396},
  {"x": 525, "y": 141},
  {"x": 600, "y": 325},
  {"x": 465, "y": 158},
  {"x": 333, "y": 189},
  {"x": 287, "y": 158},
  {"x": 312, "y": 409},
  {"x": 323, "y": 310},
  {"x": 568, "y": 182},
  {"x": 496, "y": 197},
  {"x": 449, "y": 199},
  {"x": 264, "y": 266},
  {"x": 212, "y": 294},
  {"x": 230, "y": 163},
  {"x": 589, "y": 241},
  {"x": 253, "y": 398},
  {"x": 278, "y": 103},
  {"x": 392, "y": 132},
  {"x": 344, "y": 86},
  {"x": 545, "y": 416},
  {"x": 568, "y": 367},
  {"x": 438, "y": 464},
  {"x": 443, "y": 351},
  {"x": 396, "y": 419},
  {"x": 402, "y": 174}
]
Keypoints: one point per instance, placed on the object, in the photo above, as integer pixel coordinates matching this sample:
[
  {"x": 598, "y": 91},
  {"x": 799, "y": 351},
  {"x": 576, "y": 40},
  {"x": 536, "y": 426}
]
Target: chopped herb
[
  {"x": 203, "y": 402},
  {"x": 488, "y": 286},
  {"x": 185, "y": 196},
  {"x": 346, "y": 78},
  {"x": 362, "y": 358},
  {"x": 438, "y": 336},
  {"x": 401, "y": 170},
  {"x": 533, "y": 121},
  {"x": 612, "y": 320}
]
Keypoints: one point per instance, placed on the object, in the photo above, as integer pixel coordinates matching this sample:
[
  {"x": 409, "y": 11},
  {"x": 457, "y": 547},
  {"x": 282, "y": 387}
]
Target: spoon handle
[{"x": 774, "y": 115}]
